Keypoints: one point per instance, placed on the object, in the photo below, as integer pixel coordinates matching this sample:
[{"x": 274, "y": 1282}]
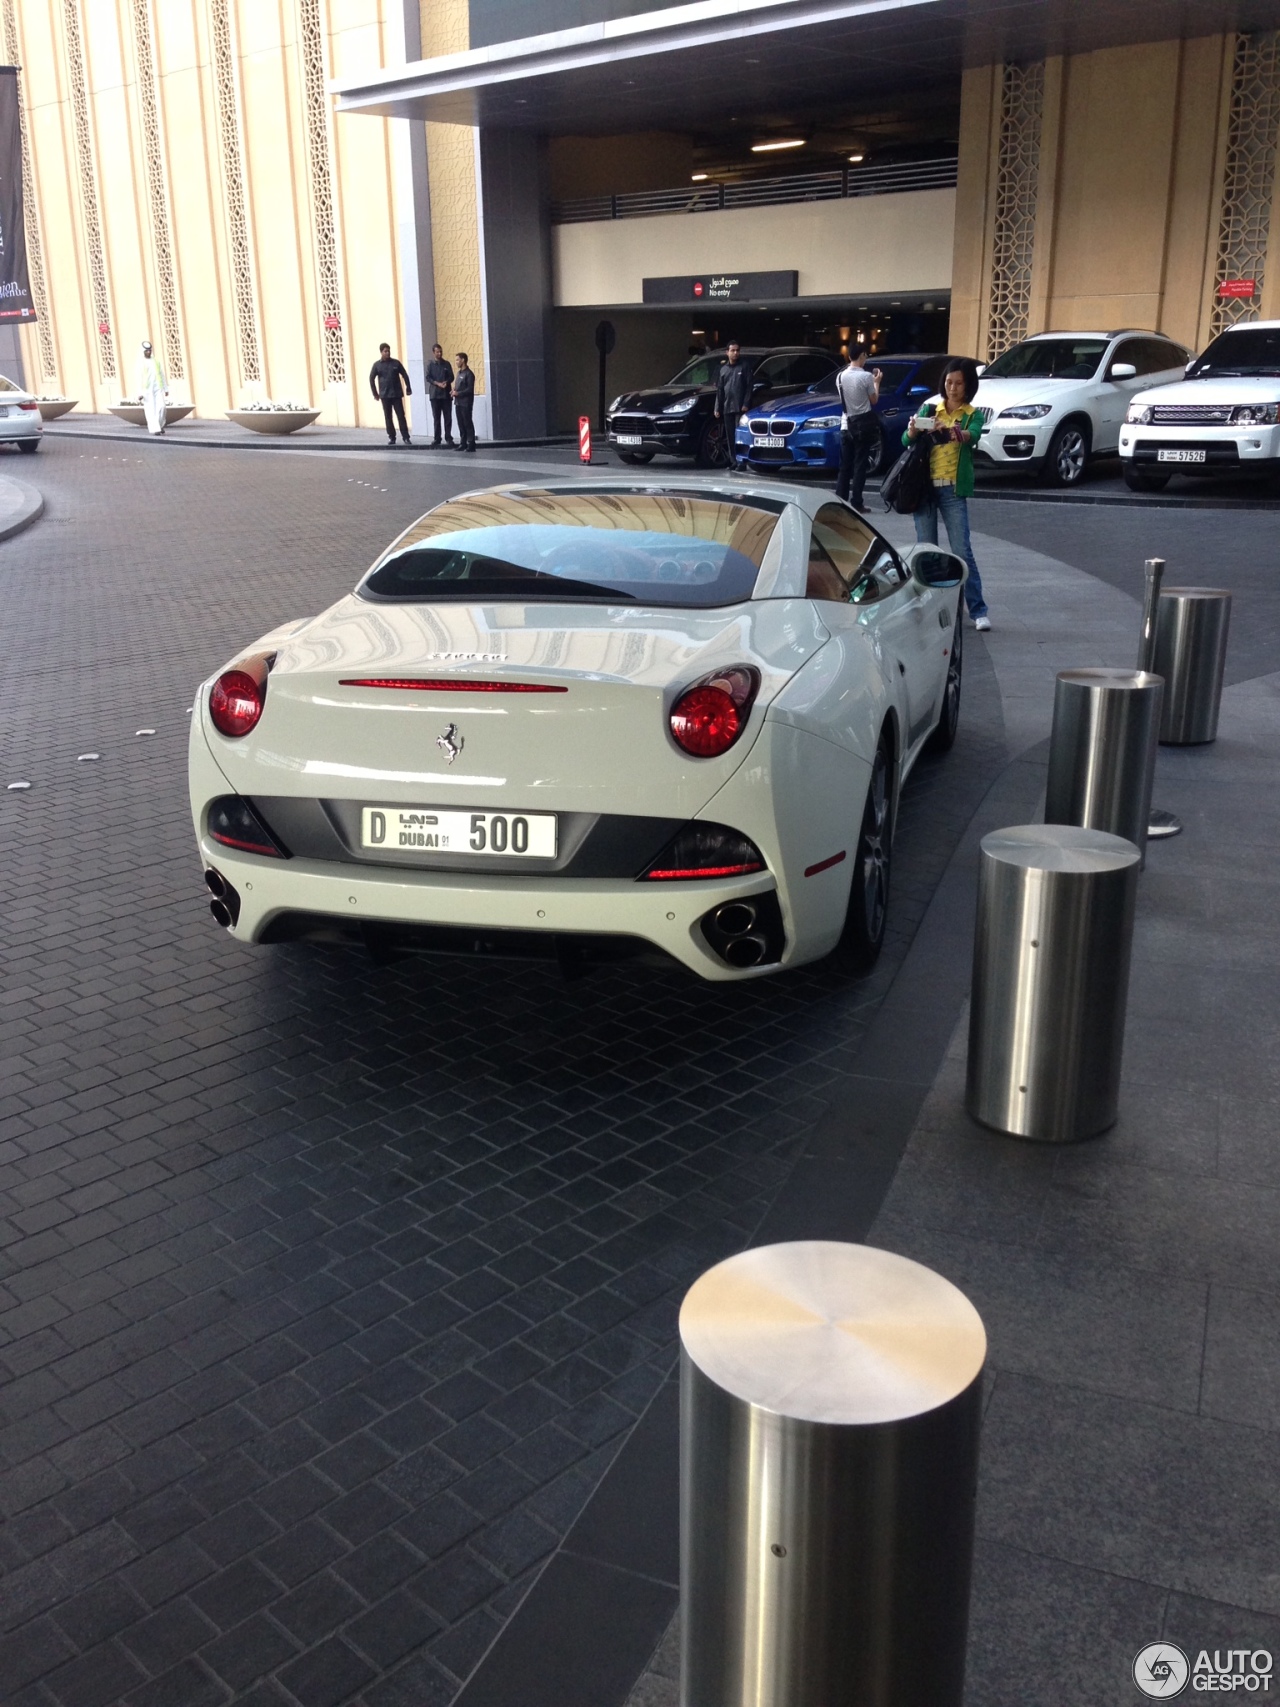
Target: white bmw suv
[
  {"x": 1056, "y": 399},
  {"x": 1223, "y": 418}
]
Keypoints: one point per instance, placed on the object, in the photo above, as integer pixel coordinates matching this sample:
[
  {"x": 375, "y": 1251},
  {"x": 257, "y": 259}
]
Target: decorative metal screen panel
[
  {"x": 1017, "y": 184},
  {"x": 317, "y": 108},
  {"x": 224, "y": 69},
  {"x": 1249, "y": 181},
  {"x": 156, "y": 187},
  {"x": 31, "y": 218},
  {"x": 89, "y": 190}
]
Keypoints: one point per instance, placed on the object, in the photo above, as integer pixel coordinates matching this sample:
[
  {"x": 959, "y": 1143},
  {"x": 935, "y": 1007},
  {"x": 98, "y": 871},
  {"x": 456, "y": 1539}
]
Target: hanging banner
[{"x": 15, "y": 286}]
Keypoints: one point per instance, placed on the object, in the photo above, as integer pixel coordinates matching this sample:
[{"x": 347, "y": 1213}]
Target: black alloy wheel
[
  {"x": 1068, "y": 454},
  {"x": 29, "y": 445},
  {"x": 713, "y": 449},
  {"x": 864, "y": 926},
  {"x": 641, "y": 456},
  {"x": 944, "y": 736},
  {"x": 1138, "y": 479}
]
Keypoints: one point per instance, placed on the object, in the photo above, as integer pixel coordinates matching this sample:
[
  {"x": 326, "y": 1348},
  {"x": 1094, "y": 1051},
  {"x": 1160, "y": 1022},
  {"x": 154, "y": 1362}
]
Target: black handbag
[{"x": 906, "y": 486}]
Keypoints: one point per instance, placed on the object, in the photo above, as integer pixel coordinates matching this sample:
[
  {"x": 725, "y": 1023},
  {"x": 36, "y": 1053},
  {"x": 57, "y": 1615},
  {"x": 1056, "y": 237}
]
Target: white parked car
[
  {"x": 1059, "y": 398},
  {"x": 20, "y": 419},
  {"x": 584, "y": 718},
  {"x": 1223, "y": 418}
]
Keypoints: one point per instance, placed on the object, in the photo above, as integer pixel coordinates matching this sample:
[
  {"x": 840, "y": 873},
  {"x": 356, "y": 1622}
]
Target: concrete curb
[
  {"x": 275, "y": 446},
  {"x": 28, "y": 507}
]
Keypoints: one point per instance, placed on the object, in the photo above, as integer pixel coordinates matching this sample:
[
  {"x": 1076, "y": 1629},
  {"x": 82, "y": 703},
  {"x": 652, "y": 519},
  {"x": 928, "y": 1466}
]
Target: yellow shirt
[{"x": 944, "y": 460}]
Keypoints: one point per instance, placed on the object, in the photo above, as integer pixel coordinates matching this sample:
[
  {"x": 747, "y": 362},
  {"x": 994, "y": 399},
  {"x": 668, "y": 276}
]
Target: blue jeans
[{"x": 955, "y": 517}]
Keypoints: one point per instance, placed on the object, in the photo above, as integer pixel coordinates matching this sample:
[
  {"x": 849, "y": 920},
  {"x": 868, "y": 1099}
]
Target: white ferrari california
[{"x": 584, "y": 718}]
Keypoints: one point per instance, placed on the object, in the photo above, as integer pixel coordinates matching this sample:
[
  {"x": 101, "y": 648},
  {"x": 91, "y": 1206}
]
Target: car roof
[
  {"x": 1121, "y": 332},
  {"x": 1253, "y": 326}
]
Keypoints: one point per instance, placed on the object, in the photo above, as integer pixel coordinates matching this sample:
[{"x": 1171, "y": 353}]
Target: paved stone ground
[{"x": 326, "y": 1291}]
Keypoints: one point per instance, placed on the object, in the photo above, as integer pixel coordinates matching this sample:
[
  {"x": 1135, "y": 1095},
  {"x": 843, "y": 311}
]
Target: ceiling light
[
  {"x": 856, "y": 159},
  {"x": 699, "y": 177},
  {"x": 774, "y": 147}
]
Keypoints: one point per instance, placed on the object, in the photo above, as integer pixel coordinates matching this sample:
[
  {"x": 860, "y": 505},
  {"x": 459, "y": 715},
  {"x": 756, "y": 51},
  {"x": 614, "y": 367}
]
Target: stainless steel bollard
[
  {"x": 830, "y": 1412},
  {"x": 1191, "y": 654},
  {"x": 1102, "y": 753},
  {"x": 1050, "y": 980}
]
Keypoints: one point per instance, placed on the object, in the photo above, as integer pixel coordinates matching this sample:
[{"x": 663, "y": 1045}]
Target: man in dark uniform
[
  {"x": 390, "y": 385},
  {"x": 440, "y": 392},
  {"x": 733, "y": 393},
  {"x": 464, "y": 397}
]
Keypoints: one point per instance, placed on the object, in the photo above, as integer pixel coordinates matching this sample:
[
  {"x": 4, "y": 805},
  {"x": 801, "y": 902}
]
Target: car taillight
[
  {"x": 234, "y": 823},
  {"x": 238, "y": 696},
  {"x": 30, "y": 408},
  {"x": 709, "y": 716},
  {"x": 704, "y": 850}
]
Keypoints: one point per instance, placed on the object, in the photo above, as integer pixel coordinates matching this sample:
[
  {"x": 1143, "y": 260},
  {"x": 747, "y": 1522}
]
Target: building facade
[{"x": 186, "y": 181}]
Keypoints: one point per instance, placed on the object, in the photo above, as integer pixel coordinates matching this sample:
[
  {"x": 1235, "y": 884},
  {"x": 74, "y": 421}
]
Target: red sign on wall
[
  {"x": 332, "y": 323},
  {"x": 1238, "y": 287},
  {"x": 104, "y": 328}
]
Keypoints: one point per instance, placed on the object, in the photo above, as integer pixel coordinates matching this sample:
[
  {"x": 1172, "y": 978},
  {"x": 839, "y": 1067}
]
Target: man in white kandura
[{"x": 152, "y": 388}]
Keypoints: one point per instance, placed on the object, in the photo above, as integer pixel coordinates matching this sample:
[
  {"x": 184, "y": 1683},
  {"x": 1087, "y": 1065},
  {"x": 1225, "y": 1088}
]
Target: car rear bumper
[
  {"x": 27, "y": 425},
  {"x": 269, "y": 894}
]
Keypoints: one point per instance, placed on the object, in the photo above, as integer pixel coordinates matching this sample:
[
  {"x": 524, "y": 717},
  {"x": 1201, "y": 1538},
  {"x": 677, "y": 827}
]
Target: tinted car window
[
  {"x": 809, "y": 369},
  {"x": 615, "y": 547},
  {"x": 868, "y": 567},
  {"x": 703, "y": 371},
  {"x": 1159, "y": 355},
  {"x": 824, "y": 580},
  {"x": 1049, "y": 358},
  {"x": 893, "y": 375},
  {"x": 775, "y": 370},
  {"x": 1252, "y": 349}
]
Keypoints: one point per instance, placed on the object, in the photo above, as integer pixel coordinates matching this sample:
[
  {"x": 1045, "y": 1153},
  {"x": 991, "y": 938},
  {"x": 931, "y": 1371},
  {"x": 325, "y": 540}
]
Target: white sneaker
[{"x": 982, "y": 624}]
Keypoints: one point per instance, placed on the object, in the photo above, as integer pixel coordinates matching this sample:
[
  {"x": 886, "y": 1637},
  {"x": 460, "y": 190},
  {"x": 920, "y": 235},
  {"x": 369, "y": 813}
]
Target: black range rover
[{"x": 679, "y": 418}]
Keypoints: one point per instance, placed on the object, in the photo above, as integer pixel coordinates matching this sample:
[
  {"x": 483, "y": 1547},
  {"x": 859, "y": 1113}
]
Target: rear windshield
[
  {"x": 1049, "y": 358},
  {"x": 608, "y": 547},
  {"x": 1255, "y": 349}
]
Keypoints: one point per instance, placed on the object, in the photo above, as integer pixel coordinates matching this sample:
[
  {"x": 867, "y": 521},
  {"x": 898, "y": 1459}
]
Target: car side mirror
[
  {"x": 980, "y": 369},
  {"x": 918, "y": 391},
  {"x": 931, "y": 567},
  {"x": 1123, "y": 370}
]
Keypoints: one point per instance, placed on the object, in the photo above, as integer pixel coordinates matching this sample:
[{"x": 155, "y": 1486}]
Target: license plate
[
  {"x": 531, "y": 835},
  {"x": 629, "y": 438},
  {"x": 1180, "y": 456},
  {"x": 770, "y": 444}
]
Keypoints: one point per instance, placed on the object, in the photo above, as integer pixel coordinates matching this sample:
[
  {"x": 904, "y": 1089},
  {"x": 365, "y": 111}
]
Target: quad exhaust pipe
[
  {"x": 746, "y": 933},
  {"x": 225, "y": 905}
]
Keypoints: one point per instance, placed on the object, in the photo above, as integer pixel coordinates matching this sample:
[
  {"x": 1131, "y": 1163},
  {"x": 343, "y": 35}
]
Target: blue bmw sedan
[{"x": 804, "y": 432}]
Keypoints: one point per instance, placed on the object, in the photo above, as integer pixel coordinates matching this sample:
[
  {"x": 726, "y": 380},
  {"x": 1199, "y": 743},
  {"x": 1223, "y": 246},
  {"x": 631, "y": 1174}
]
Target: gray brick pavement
[{"x": 327, "y": 1291}]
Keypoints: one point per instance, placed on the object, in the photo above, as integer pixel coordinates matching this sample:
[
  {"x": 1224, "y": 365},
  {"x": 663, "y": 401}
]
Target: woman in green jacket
[{"x": 954, "y": 427}]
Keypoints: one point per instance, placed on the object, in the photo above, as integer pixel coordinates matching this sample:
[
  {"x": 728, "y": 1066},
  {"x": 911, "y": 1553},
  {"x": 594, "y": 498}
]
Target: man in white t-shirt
[{"x": 859, "y": 390}]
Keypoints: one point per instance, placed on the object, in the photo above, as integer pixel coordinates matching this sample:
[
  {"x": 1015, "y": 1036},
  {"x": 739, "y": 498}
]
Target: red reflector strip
[
  {"x": 706, "y": 871},
  {"x": 454, "y": 684},
  {"x": 245, "y": 847},
  {"x": 825, "y": 864}
]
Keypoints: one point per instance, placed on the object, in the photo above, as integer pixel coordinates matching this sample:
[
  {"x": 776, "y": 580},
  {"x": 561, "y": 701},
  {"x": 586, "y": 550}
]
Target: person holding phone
[{"x": 953, "y": 426}]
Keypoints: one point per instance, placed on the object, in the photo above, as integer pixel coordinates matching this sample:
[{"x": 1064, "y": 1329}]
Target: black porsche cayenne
[{"x": 679, "y": 418}]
